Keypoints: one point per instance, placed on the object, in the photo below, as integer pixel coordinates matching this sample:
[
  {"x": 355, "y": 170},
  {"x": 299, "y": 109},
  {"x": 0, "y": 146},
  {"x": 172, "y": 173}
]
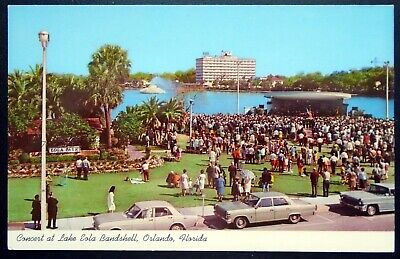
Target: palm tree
[
  {"x": 17, "y": 88},
  {"x": 55, "y": 90},
  {"x": 108, "y": 69},
  {"x": 172, "y": 111},
  {"x": 150, "y": 112}
]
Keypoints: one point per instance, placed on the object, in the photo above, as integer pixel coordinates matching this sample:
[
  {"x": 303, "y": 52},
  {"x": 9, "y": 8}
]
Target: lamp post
[
  {"x": 191, "y": 120},
  {"x": 387, "y": 89},
  {"x": 44, "y": 38},
  {"x": 386, "y": 63},
  {"x": 238, "y": 86}
]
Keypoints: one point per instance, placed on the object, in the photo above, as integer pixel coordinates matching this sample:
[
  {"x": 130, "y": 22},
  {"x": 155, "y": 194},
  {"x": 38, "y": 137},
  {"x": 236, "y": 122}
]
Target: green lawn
[{"x": 81, "y": 198}]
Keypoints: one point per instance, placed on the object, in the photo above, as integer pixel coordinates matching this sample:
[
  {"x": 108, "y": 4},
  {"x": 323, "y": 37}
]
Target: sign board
[{"x": 70, "y": 149}]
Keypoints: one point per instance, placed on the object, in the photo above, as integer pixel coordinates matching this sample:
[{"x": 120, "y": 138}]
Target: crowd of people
[
  {"x": 284, "y": 141},
  {"x": 356, "y": 148}
]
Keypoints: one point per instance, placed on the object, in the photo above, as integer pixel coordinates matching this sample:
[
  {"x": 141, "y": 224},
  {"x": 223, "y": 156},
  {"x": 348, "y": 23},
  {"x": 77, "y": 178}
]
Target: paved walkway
[
  {"x": 134, "y": 154},
  {"x": 86, "y": 223}
]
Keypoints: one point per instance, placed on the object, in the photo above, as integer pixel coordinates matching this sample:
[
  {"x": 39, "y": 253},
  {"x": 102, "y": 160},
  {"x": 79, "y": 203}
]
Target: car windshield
[
  {"x": 376, "y": 189},
  {"x": 251, "y": 200},
  {"x": 132, "y": 211}
]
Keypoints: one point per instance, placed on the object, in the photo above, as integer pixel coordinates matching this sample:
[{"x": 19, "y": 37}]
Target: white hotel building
[{"x": 224, "y": 67}]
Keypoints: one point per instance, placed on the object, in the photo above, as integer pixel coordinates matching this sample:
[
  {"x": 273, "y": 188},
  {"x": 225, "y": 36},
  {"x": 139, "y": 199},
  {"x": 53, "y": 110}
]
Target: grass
[{"x": 83, "y": 198}]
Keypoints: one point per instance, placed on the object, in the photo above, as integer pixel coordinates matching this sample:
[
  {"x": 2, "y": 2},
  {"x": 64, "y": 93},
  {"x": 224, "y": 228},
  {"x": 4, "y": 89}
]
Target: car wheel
[
  {"x": 115, "y": 229},
  {"x": 177, "y": 227},
  {"x": 240, "y": 222},
  {"x": 294, "y": 218},
  {"x": 371, "y": 210}
]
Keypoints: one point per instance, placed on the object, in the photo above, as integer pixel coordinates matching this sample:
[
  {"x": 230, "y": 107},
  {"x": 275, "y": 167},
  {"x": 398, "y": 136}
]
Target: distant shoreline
[{"x": 185, "y": 89}]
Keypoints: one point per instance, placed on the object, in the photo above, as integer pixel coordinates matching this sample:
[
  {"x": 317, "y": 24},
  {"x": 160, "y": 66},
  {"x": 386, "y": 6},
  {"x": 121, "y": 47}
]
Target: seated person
[
  {"x": 176, "y": 179},
  {"x": 170, "y": 179}
]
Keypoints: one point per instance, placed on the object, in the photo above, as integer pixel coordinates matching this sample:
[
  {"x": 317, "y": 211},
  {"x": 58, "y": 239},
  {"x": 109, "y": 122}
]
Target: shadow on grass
[
  {"x": 201, "y": 164},
  {"x": 171, "y": 194},
  {"x": 167, "y": 187},
  {"x": 26, "y": 199}
]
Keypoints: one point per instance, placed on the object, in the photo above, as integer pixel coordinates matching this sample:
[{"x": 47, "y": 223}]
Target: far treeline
[
  {"x": 188, "y": 76},
  {"x": 365, "y": 81}
]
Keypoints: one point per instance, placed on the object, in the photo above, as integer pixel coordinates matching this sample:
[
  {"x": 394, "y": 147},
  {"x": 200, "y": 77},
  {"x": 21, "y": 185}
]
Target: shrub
[
  {"x": 53, "y": 158},
  {"x": 24, "y": 158},
  {"x": 13, "y": 162},
  {"x": 113, "y": 158},
  {"x": 104, "y": 155}
]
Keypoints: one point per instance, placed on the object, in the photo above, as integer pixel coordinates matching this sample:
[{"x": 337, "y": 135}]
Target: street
[{"x": 333, "y": 218}]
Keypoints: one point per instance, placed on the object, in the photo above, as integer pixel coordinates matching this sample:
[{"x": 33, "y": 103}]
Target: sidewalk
[{"x": 86, "y": 223}]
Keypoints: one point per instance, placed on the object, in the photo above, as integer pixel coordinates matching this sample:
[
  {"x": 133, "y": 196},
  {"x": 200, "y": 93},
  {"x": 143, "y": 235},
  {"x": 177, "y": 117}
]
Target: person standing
[
  {"x": 326, "y": 176},
  {"x": 376, "y": 174},
  {"x": 52, "y": 211},
  {"x": 36, "y": 212},
  {"x": 362, "y": 177},
  {"x": 220, "y": 186},
  {"x": 232, "y": 172},
  {"x": 210, "y": 173},
  {"x": 247, "y": 185},
  {"x": 202, "y": 181},
  {"x": 314, "y": 182},
  {"x": 352, "y": 180},
  {"x": 184, "y": 182},
  {"x": 266, "y": 179},
  {"x": 320, "y": 164},
  {"x": 86, "y": 167},
  {"x": 78, "y": 166},
  {"x": 216, "y": 172},
  {"x": 212, "y": 156},
  {"x": 333, "y": 160},
  {"x": 320, "y": 141},
  {"x": 236, "y": 156},
  {"x": 110, "y": 199},
  {"x": 145, "y": 171},
  {"x": 235, "y": 189}
]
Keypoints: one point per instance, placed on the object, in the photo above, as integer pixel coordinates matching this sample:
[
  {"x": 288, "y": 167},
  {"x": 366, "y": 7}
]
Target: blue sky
[{"x": 284, "y": 40}]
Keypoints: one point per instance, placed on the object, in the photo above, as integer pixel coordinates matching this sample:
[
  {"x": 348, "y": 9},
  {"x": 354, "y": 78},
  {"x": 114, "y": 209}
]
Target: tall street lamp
[
  {"x": 191, "y": 119},
  {"x": 238, "y": 86},
  {"x": 44, "y": 38},
  {"x": 387, "y": 89},
  {"x": 386, "y": 63}
]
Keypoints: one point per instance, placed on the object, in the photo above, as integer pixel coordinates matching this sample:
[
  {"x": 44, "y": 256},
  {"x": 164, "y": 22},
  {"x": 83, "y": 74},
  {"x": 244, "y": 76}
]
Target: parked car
[
  {"x": 378, "y": 197},
  {"x": 146, "y": 215},
  {"x": 263, "y": 207}
]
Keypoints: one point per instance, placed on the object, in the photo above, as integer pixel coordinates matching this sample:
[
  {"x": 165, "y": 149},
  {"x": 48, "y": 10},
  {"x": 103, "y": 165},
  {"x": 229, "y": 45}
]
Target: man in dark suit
[
  {"x": 266, "y": 178},
  {"x": 314, "y": 182},
  {"x": 232, "y": 173},
  {"x": 52, "y": 211}
]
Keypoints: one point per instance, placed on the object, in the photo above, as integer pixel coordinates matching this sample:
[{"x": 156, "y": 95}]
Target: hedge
[{"x": 63, "y": 158}]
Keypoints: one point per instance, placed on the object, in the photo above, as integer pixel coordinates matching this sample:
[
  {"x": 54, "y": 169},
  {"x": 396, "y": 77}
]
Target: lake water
[{"x": 225, "y": 102}]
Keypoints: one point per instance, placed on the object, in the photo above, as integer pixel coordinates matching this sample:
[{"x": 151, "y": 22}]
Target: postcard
[{"x": 201, "y": 127}]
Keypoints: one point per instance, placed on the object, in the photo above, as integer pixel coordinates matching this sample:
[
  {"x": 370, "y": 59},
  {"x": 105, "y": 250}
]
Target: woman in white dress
[
  {"x": 247, "y": 185},
  {"x": 184, "y": 182},
  {"x": 110, "y": 199},
  {"x": 202, "y": 181}
]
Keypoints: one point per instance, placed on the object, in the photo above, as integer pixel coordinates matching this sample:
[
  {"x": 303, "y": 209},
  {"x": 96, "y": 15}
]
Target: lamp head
[{"x": 44, "y": 38}]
